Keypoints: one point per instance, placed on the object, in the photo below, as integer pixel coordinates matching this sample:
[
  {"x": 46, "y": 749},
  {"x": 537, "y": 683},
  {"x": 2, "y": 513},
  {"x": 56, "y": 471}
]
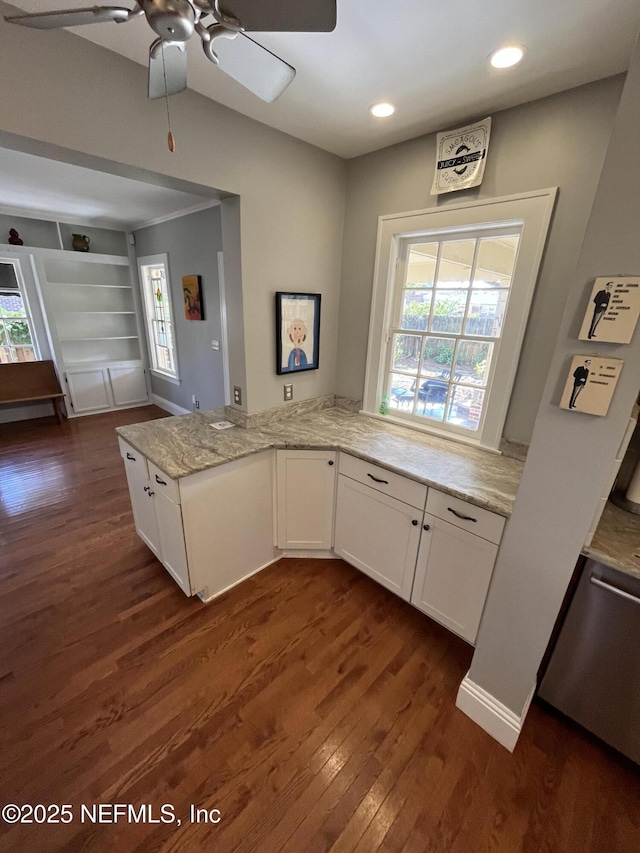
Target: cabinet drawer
[
  {"x": 133, "y": 459},
  {"x": 162, "y": 483},
  {"x": 395, "y": 485},
  {"x": 483, "y": 523}
]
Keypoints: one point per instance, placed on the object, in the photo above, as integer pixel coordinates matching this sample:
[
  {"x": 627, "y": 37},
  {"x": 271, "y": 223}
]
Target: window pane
[
  {"x": 421, "y": 265},
  {"x": 11, "y": 305},
  {"x": 496, "y": 260},
  {"x": 401, "y": 392},
  {"x": 432, "y": 396},
  {"x": 8, "y": 276},
  {"x": 486, "y": 313},
  {"x": 24, "y": 354},
  {"x": 18, "y": 331},
  {"x": 3, "y": 335},
  {"x": 416, "y": 310},
  {"x": 438, "y": 357},
  {"x": 406, "y": 352},
  {"x": 448, "y": 311},
  {"x": 465, "y": 407},
  {"x": 472, "y": 362},
  {"x": 455, "y": 263}
]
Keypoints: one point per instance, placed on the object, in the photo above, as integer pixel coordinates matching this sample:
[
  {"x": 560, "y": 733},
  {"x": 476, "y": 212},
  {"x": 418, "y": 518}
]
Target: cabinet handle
[
  {"x": 132, "y": 458},
  {"x": 414, "y": 522},
  {"x": 146, "y": 489},
  {"x": 426, "y": 527},
  {"x": 158, "y": 480},
  {"x": 376, "y": 480},
  {"x": 150, "y": 493},
  {"x": 331, "y": 462},
  {"x": 458, "y": 515}
]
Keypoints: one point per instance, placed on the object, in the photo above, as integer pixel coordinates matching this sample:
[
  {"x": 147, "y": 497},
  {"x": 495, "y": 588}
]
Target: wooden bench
[{"x": 30, "y": 380}]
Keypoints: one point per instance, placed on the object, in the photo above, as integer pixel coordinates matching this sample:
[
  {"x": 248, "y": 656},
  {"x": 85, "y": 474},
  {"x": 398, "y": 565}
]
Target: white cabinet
[
  {"x": 377, "y": 534},
  {"x": 158, "y": 518},
  {"x": 210, "y": 530},
  {"x": 94, "y": 389},
  {"x": 305, "y": 498},
  {"x": 452, "y": 577}
]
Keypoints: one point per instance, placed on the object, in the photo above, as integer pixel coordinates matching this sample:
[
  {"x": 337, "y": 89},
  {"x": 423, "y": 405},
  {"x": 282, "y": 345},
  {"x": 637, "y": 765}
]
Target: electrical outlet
[
  {"x": 215, "y": 346},
  {"x": 237, "y": 395},
  {"x": 194, "y": 403},
  {"x": 288, "y": 392},
  {"x": 197, "y": 404}
]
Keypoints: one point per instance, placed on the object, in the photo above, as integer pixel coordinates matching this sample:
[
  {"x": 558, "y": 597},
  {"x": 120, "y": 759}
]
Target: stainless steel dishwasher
[{"x": 594, "y": 671}]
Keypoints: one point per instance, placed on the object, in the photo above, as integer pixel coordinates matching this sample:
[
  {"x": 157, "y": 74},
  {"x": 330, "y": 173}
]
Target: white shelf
[
  {"x": 110, "y": 338},
  {"x": 86, "y": 284},
  {"x": 110, "y": 313}
]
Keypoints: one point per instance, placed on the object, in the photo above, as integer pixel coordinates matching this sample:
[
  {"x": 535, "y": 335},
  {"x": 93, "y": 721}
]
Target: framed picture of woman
[{"x": 297, "y": 332}]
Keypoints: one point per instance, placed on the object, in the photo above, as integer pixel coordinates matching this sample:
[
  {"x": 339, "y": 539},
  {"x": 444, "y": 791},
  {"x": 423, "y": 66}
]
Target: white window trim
[
  {"x": 154, "y": 260},
  {"x": 534, "y": 209},
  {"x": 22, "y": 290}
]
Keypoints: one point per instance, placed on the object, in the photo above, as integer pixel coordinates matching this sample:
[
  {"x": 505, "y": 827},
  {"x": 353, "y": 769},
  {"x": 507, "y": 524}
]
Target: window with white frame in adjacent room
[
  {"x": 156, "y": 299},
  {"x": 451, "y": 298},
  {"x": 17, "y": 338}
]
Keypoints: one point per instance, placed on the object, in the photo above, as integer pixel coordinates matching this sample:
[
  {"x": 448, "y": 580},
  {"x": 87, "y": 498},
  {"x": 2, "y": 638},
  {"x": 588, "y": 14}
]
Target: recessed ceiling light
[
  {"x": 505, "y": 57},
  {"x": 382, "y": 110}
]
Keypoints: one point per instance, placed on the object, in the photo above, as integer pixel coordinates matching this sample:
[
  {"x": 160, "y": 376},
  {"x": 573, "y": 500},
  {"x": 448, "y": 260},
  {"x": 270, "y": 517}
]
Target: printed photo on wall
[
  {"x": 613, "y": 310},
  {"x": 192, "y": 292},
  {"x": 590, "y": 384},
  {"x": 297, "y": 332}
]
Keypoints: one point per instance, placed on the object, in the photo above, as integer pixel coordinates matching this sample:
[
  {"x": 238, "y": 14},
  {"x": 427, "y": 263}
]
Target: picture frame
[
  {"x": 590, "y": 384},
  {"x": 192, "y": 295},
  {"x": 612, "y": 311},
  {"x": 297, "y": 332}
]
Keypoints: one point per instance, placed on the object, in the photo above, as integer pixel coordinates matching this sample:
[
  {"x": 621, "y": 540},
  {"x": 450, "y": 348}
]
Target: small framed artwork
[
  {"x": 297, "y": 332},
  {"x": 192, "y": 292},
  {"x": 590, "y": 384},
  {"x": 612, "y": 313}
]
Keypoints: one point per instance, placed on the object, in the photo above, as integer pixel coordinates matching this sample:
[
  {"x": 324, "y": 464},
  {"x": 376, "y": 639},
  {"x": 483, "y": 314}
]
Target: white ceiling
[
  {"x": 426, "y": 56},
  {"x": 73, "y": 193}
]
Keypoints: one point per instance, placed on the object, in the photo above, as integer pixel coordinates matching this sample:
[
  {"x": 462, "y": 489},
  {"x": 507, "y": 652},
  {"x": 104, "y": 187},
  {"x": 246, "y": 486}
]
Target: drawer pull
[
  {"x": 458, "y": 515},
  {"x": 132, "y": 458},
  {"x": 331, "y": 462},
  {"x": 150, "y": 493},
  {"x": 162, "y": 482},
  {"x": 146, "y": 489},
  {"x": 426, "y": 527},
  {"x": 376, "y": 480}
]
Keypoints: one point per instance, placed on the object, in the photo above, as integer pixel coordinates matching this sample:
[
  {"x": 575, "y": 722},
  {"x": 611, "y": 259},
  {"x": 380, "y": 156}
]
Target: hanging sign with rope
[{"x": 460, "y": 157}]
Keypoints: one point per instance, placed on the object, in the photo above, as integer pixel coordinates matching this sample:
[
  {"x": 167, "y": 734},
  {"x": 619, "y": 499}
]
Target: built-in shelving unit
[{"x": 89, "y": 307}]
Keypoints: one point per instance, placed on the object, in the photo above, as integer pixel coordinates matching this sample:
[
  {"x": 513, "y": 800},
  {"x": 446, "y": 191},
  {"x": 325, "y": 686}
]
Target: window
[
  {"x": 451, "y": 298},
  {"x": 17, "y": 339},
  {"x": 156, "y": 297}
]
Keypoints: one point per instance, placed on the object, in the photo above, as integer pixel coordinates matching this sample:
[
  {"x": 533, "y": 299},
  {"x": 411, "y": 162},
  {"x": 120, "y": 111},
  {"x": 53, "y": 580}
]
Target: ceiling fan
[{"x": 175, "y": 21}]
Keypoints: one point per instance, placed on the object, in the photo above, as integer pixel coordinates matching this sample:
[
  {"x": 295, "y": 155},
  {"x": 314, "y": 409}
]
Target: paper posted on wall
[
  {"x": 590, "y": 384},
  {"x": 460, "y": 157}
]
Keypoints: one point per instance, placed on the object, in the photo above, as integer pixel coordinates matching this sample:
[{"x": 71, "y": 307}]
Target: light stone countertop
[
  {"x": 616, "y": 542},
  {"x": 186, "y": 444}
]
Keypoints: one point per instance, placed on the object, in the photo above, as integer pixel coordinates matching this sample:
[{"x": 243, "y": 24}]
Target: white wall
[
  {"x": 61, "y": 89},
  {"x": 571, "y": 454},
  {"x": 557, "y": 141}
]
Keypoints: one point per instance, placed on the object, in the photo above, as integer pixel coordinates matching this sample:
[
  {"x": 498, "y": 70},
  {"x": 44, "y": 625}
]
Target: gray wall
[
  {"x": 89, "y": 101},
  {"x": 557, "y": 141},
  {"x": 571, "y": 454},
  {"x": 192, "y": 243}
]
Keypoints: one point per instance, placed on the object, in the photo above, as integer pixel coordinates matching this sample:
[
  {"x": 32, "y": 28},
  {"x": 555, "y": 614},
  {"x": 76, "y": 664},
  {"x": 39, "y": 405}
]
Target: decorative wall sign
[
  {"x": 192, "y": 291},
  {"x": 613, "y": 310},
  {"x": 297, "y": 331},
  {"x": 460, "y": 157},
  {"x": 590, "y": 384}
]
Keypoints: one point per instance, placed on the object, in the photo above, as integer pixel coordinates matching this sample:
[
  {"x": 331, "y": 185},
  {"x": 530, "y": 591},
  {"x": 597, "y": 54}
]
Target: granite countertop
[
  {"x": 616, "y": 542},
  {"x": 186, "y": 444}
]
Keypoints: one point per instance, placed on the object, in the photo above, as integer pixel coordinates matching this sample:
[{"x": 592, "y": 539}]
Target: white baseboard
[
  {"x": 503, "y": 724},
  {"x": 168, "y": 406},
  {"x": 310, "y": 552}
]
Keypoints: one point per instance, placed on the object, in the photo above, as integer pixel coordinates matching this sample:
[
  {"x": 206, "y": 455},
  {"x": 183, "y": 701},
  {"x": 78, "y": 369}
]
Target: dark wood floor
[{"x": 311, "y": 707}]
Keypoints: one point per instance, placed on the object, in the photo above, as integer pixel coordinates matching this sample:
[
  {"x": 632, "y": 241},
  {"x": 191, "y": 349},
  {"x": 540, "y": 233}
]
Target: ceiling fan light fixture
[
  {"x": 506, "y": 57},
  {"x": 383, "y": 109}
]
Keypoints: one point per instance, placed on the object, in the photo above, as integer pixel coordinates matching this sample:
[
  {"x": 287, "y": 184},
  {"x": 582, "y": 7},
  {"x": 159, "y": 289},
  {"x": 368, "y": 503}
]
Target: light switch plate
[
  {"x": 237, "y": 395},
  {"x": 288, "y": 391}
]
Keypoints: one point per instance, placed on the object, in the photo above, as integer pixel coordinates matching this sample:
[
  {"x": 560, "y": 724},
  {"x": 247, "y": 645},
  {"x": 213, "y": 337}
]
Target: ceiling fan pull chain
[{"x": 170, "y": 140}]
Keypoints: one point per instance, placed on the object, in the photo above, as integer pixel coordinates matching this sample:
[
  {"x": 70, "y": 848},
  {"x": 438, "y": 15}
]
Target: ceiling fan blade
[
  {"x": 254, "y": 67},
  {"x": 173, "y": 69},
  {"x": 282, "y": 16},
  {"x": 71, "y": 17}
]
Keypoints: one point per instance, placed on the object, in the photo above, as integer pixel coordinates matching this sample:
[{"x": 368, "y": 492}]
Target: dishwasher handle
[{"x": 614, "y": 589}]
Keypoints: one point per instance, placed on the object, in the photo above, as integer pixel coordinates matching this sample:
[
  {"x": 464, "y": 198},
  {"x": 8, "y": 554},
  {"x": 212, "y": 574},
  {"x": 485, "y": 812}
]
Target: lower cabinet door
[
  {"x": 378, "y": 535},
  {"x": 142, "y": 503},
  {"x": 128, "y": 385},
  {"x": 452, "y": 578},
  {"x": 173, "y": 555},
  {"x": 88, "y": 390},
  {"x": 305, "y": 497}
]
